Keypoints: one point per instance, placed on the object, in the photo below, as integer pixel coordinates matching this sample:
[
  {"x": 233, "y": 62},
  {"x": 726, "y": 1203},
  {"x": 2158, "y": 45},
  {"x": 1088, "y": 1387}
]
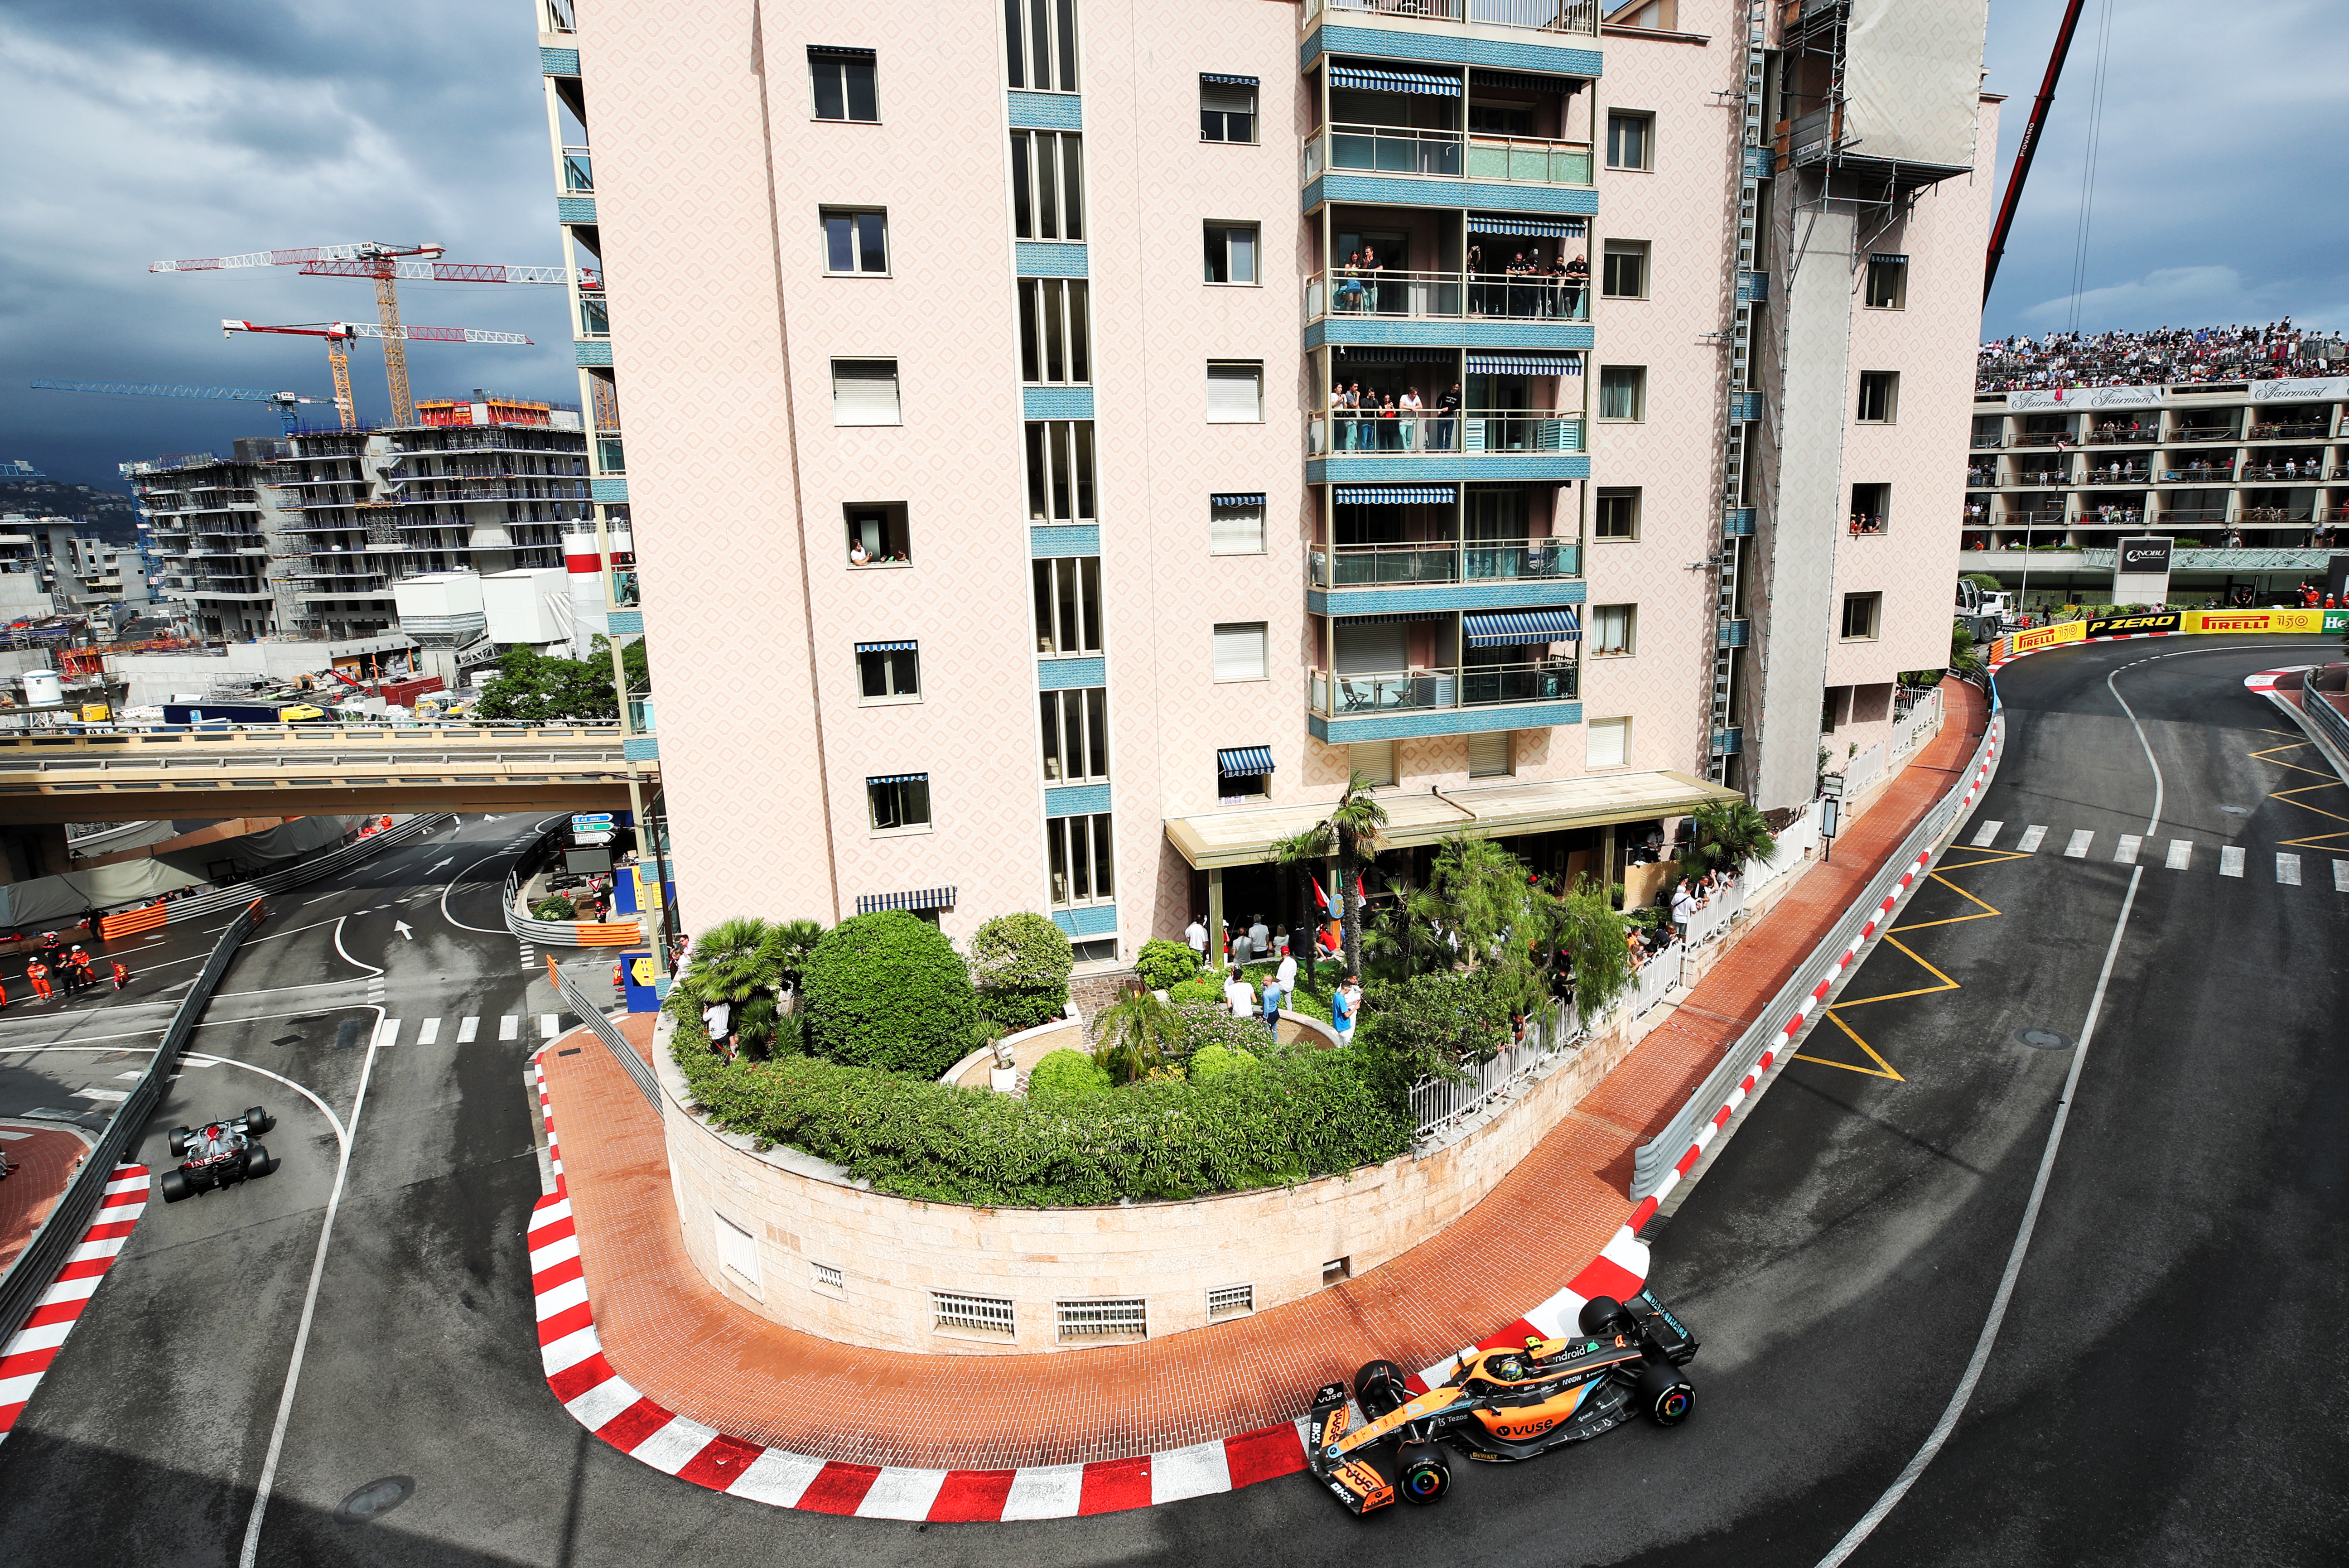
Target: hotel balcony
[
  {"x": 1379, "y": 705},
  {"x": 1441, "y": 575},
  {"x": 1579, "y": 18},
  {"x": 1437, "y": 154},
  {"x": 1479, "y": 443}
]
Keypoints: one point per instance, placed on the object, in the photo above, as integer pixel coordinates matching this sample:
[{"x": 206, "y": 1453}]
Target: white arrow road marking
[
  {"x": 401, "y": 927},
  {"x": 449, "y": 860}
]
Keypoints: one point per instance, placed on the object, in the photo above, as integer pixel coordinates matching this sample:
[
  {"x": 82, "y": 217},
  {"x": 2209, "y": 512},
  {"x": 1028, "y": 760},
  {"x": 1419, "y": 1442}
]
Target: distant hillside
[{"x": 109, "y": 512}]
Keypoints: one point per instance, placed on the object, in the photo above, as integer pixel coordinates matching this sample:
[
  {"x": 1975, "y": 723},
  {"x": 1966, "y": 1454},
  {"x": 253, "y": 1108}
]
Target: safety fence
[
  {"x": 639, "y": 1072},
  {"x": 27, "y": 1278},
  {"x": 356, "y": 847},
  {"x": 561, "y": 933},
  {"x": 2323, "y": 716},
  {"x": 1437, "y": 1103}
]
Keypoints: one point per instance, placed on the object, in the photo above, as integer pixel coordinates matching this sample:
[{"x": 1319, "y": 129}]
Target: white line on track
[
  {"x": 2031, "y": 836},
  {"x": 2181, "y": 852},
  {"x": 2230, "y": 861},
  {"x": 2288, "y": 869},
  {"x": 1988, "y": 835}
]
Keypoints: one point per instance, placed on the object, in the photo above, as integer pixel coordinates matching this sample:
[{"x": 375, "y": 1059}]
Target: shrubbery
[
  {"x": 1161, "y": 963},
  {"x": 1300, "y": 1114},
  {"x": 1212, "y": 1062},
  {"x": 554, "y": 908},
  {"x": 1204, "y": 989},
  {"x": 889, "y": 990},
  {"x": 1020, "y": 964},
  {"x": 1065, "y": 1072}
]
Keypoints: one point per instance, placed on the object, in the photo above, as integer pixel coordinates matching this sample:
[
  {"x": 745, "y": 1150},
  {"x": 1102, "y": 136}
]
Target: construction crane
[
  {"x": 338, "y": 335},
  {"x": 386, "y": 265},
  {"x": 2028, "y": 148},
  {"x": 284, "y": 402}
]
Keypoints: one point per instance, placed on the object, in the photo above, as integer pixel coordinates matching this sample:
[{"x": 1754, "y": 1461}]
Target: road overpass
[{"x": 300, "y": 770}]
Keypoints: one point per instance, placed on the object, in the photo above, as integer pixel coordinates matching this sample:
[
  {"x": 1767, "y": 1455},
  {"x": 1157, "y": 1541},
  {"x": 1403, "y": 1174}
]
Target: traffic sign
[{"x": 591, "y": 822}]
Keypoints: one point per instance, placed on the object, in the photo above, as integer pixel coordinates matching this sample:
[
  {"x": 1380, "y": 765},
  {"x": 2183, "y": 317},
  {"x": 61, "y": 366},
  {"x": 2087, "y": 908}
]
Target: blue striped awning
[
  {"x": 1243, "y": 762},
  {"x": 1515, "y": 626},
  {"x": 1255, "y": 499},
  {"x": 887, "y": 647},
  {"x": 1227, "y": 81},
  {"x": 1395, "y": 495},
  {"x": 899, "y": 778},
  {"x": 1528, "y": 228},
  {"x": 1390, "y": 78},
  {"x": 919, "y": 898},
  {"x": 1524, "y": 364}
]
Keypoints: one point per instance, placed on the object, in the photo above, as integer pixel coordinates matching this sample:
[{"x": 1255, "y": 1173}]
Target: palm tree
[
  {"x": 789, "y": 945},
  {"x": 735, "y": 962},
  {"x": 1477, "y": 891},
  {"x": 1726, "y": 835},
  {"x": 1135, "y": 1033},
  {"x": 1350, "y": 832}
]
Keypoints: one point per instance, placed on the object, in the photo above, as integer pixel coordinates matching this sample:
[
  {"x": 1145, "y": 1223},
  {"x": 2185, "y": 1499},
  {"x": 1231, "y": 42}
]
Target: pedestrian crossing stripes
[
  {"x": 2127, "y": 854},
  {"x": 2288, "y": 870},
  {"x": 1988, "y": 834},
  {"x": 2230, "y": 861},
  {"x": 2031, "y": 839},
  {"x": 2181, "y": 851},
  {"x": 2079, "y": 843},
  {"x": 467, "y": 1029},
  {"x": 509, "y": 1028},
  {"x": 549, "y": 1026},
  {"x": 2341, "y": 876},
  {"x": 2078, "y": 848},
  {"x": 427, "y": 1031}
]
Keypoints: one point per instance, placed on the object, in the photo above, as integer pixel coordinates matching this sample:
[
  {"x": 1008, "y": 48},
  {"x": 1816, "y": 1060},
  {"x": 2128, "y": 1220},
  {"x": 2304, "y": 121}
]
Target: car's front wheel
[
  {"x": 1664, "y": 1394},
  {"x": 1379, "y": 1387},
  {"x": 1425, "y": 1480},
  {"x": 179, "y": 1142}
]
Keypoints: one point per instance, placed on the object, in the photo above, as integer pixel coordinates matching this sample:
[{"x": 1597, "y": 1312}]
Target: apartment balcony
[
  {"x": 2200, "y": 474},
  {"x": 2308, "y": 472},
  {"x": 1570, "y": 17},
  {"x": 1387, "y": 166},
  {"x": 1480, "y": 444},
  {"x": 2315, "y": 432},
  {"x": 1350, "y": 706},
  {"x": 1438, "y": 574},
  {"x": 1445, "y": 309}
]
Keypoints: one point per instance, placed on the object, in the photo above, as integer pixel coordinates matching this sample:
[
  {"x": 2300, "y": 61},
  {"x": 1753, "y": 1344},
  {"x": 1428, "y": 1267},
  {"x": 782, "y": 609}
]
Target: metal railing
[
  {"x": 1535, "y": 15},
  {"x": 1396, "y": 293},
  {"x": 556, "y": 933},
  {"x": 1444, "y": 155},
  {"x": 1496, "y": 433},
  {"x": 1442, "y": 560},
  {"x": 639, "y": 1070},
  {"x": 1350, "y": 695},
  {"x": 2324, "y": 717},
  {"x": 1440, "y": 1103},
  {"x": 26, "y": 1279}
]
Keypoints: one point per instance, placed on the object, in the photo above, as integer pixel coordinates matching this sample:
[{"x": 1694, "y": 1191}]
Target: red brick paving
[
  {"x": 40, "y": 1167},
  {"x": 688, "y": 1347}
]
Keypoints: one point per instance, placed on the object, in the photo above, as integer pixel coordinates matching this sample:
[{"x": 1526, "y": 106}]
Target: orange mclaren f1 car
[{"x": 1502, "y": 1404}]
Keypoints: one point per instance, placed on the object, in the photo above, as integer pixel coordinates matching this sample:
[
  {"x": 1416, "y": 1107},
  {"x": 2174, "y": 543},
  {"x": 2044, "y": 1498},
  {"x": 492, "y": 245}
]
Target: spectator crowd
[{"x": 2165, "y": 356}]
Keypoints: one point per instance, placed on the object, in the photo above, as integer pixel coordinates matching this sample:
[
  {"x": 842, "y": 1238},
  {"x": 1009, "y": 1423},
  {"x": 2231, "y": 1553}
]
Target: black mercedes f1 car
[
  {"x": 1500, "y": 1406},
  {"x": 218, "y": 1154}
]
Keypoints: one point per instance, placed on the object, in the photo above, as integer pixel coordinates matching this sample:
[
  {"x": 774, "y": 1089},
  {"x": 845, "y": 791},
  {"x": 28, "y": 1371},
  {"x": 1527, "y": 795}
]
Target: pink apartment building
[{"x": 1029, "y": 499}]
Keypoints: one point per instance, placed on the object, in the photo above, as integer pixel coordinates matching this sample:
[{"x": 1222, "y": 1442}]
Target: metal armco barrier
[
  {"x": 1652, "y": 1164},
  {"x": 302, "y": 871},
  {"x": 638, "y": 1071},
  {"x": 624, "y": 933},
  {"x": 27, "y": 1278},
  {"x": 2323, "y": 716}
]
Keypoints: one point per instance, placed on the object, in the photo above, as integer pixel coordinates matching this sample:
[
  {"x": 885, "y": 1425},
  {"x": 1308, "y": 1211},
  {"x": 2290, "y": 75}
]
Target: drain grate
[
  {"x": 2043, "y": 1039},
  {"x": 377, "y": 1499}
]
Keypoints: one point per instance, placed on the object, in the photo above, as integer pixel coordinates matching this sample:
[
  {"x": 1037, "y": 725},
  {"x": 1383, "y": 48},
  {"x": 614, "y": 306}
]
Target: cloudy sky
[{"x": 141, "y": 129}]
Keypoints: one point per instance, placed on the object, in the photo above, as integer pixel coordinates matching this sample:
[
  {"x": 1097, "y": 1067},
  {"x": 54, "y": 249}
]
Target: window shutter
[
  {"x": 1374, "y": 760},
  {"x": 1240, "y": 651},
  {"x": 1222, "y": 97},
  {"x": 1373, "y": 650},
  {"x": 1236, "y": 530},
  {"x": 1609, "y": 744},
  {"x": 864, "y": 392},
  {"x": 1488, "y": 754},
  {"x": 1235, "y": 394}
]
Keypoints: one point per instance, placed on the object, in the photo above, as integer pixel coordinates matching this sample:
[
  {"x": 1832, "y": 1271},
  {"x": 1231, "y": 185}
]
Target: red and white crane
[
  {"x": 386, "y": 265},
  {"x": 338, "y": 335}
]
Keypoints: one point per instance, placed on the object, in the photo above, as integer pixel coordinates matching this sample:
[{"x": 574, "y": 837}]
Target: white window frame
[
  {"x": 1889, "y": 381},
  {"x": 1875, "y": 632},
  {"x": 1081, "y": 723},
  {"x": 1231, "y": 529},
  {"x": 1638, "y": 414},
  {"x": 1099, "y": 858},
  {"x": 1060, "y": 451},
  {"x": 838, "y": 60},
  {"x": 891, "y": 658},
  {"x": 1647, "y": 121},
  {"x": 1228, "y": 647},
  {"x": 1645, "y": 250},
  {"x": 1219, "y": 233},
  {"x": 1062, "y": 584},
  {"x": 1062, "y": 42},
  {"x": 1056, "y": 322},
  {"x": 1598, "y": 514},
  {"x": 1223, "y": 409},
  {"x": 1048, "y": 164},
  {"x": 866, "y": 406},
  {"x": 1232, "y": 92},
  {"x": 1593, "y": 641},
  {"x": 903, "y": 829},
  {"x": 825, "y": 216},
  {"x": 1620, "y": 725},
  {"x": 1896, "y": 265}
]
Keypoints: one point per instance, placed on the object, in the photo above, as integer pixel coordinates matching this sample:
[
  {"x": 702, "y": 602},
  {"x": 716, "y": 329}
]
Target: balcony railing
[
  {"x": 1535, "y": 15},
  {"x": 1441, "y": 296},
  {"x": 2200, "y": 474},
  {"x": 2124, "y": 437},
  {"x": 2121, "y": 475},
  {"x": 1445, "y": 155},
  {"x": 2288, "y": 433},
  {"x": 1479, "y": 560},
  {"x": 578, "y": 172},
  {"x": 2190, "y": 433},
  {"x": 1351, "y": 695},
  {"x": 2308, "y": 472},
  {"x": 1505, "y": 432}
]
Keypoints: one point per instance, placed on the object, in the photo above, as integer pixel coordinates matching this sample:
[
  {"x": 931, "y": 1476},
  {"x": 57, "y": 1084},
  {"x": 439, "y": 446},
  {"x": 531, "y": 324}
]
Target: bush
[
  {"x": 1162, "y": 964},
  {"x": 889, "y": 991},
  {"x": 554, "y": 908},
  {"x": 1200, "y": 990},
  {"x": 1206, "y": 1025},
  {"x": 1065, "y": 1072},
  {"x": 1212, "y": 1062},
  {"x": 1298, "y": 1116}
]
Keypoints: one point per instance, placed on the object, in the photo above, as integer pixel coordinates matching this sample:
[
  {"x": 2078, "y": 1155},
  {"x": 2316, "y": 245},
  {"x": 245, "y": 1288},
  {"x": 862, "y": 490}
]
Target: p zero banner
[
  {"x": 2137, "y": 625},
  {"x": 2268, "y": 620},
  {"x": 2047, "y": 636}
]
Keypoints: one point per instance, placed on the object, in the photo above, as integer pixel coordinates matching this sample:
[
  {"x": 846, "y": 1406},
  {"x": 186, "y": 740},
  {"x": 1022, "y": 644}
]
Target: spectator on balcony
[
  {"x": 1408, "y": 409},
  {"x": 1520, "y": 294},
  {"x": 1476, "y": 268},
  {"x": 1447, "y": 417},
  {"x": 1350, "y": 283},
  {"x": 1372, "y": 267},
  {"x": 1577, "y": 274}
]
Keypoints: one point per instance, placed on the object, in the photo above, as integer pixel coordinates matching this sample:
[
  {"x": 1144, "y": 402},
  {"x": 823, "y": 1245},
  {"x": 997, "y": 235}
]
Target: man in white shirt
[
  {"x": 1286, "y": 977},
  {"x": 1684, "y": 902},
  {"x": 1239, "y": 994},
  {"x": 1259, "y": 937},
  {"x": 1196, "y": 934}
]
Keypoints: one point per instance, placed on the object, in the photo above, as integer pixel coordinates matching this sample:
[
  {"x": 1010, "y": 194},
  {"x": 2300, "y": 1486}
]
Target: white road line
[
  {"x": 2288, "y": 870},
  {"x": 2078, "y": 848},
  {"x": 2127, "y": 854},
  {"x": 386, "y": 1033},
  {"x": 2181, "y": 850},
  {"x": 2341, "y": 876},
  {"x": 510, "y": 1027},
  {"x": 548, "y": 1026},
  {"x": 2230, "y": 861},
  {"x": 1988, "y": 833},
  {"x": 467, "y": 1029},
  {"x": 429, "y": 1032},
  {"x": 2031, "y": 837}
]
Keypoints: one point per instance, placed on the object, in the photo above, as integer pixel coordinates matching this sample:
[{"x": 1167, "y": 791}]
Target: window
[
  {"x": 1061, "y": 470},
  {"x": 1230, "y": 1301},
  {"x": 1041, "y": 43},
  {"x": 843, "y": 80},
  {"x": 1076, "y": 734},
  {"x": 738, "y": 1251},
  {"x": 1492, "y": 755},
  {"x": 1374, "y": 760},
  {"x": 1888, "y": 283},
  {"x": 1880, "y": 396},
  {"x": 1239, "y": 650},
  {"x": 823, "y": 1277},
  {"x": 1228, "y": 108},
  {"x": 1623, "y": 270},
  {"x": 864, "y": 392},
  {"x": 1859, "y": 615},
  {"x": 1337, "y": 1270},
  {"x": 958, "y": 1312},
  {"x": 877, "y": 533},
  {"x": 855, "y": 242},
  {"x": 1102, "y": 949},
  {"x": 1234, "y": 392},
  {"x": 1055, "y": 334},
  {"x": 1606, "y": 743},
  {"x": 1870, "y": 505},
  {"x": 1630, "y": 140},
  {"x": 1500, "y": 120},
  {"x": 1614, "y": 629},
  {"x": 1047, "y": 185},
  {"x": 1231, "y": 252},
  {"x": 1623, "y": 392},
  {"x": 1096, "y": 1319},
  {"x": 1618, "y": 516},
  {"x": 888, "y": 672},
  {"x": 1235, "y": 525},
  {"x": 900, "y": 803},
  {"x": 1067, "y": 604},
  {"x": 1079, "y": 858}
]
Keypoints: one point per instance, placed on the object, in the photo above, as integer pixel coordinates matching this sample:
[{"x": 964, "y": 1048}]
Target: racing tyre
[
  {"x": 1664, "y": 1394},
  {"x": 175, "y": 1186},
  {"x": 258, "y": 1163},
  {"x": 258, "y": 1121},
  {"x": 1379, "y": 1387},
  {"x": 179, "y": 1141},
  {"x": 1423, "y": 1480},
  {"x": 1603, "y": 1317}
]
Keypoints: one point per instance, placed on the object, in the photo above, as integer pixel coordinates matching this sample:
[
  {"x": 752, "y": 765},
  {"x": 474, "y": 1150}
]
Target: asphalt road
[{"x": 2164, "y": 1385}]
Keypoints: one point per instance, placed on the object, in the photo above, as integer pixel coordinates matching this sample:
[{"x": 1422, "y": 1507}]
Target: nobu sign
[{"x": 2150, "y": 554}]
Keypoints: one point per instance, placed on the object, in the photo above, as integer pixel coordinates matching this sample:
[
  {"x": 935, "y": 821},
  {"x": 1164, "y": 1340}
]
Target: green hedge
[
  {"x": 1299, "y": 1115},
  {"x": 889, "y": 990},
  {"x": 1161, "y": 963},
  {"x": 1020, "y": 964}
]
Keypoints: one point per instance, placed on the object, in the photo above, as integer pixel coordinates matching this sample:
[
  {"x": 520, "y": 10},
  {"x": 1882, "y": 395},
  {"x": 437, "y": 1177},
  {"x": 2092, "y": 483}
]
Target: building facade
[{"x": 1164, "y": 415}]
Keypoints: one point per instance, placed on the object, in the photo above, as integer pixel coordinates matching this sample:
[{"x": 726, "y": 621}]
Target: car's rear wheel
[
  {"x": 258, "y": 1121},
  {"x": 175, "y": 1186},
  {"x": 1425, "y": 1480},
  {"x": 1664, "y": 1394},
  {"x": 1379, "y": 1387},
  {"x": 179, "y": 1142},
  {"x": 1603, "y": 1317},
  {"x": 257, "y": 1162}
]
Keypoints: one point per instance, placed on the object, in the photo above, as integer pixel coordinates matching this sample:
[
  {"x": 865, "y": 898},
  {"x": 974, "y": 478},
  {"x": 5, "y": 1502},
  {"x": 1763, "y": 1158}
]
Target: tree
[
  {"x": 1479, "y": 892},
  {"x": 1352, "y": 833},
  {"x": 1581, "y": 925},
  {"x": 734, "y": 962},
  {"x": 791, "y": 943},
  {"x": 1135, "y": 1034},
  {"x": 1021, "y": 963},
  {"x": 532, "y": 689},
  {"x": 1726, "y": 835},
  {"x": 1429, "y": 1025},
  {"x": 888, "y": 990}
]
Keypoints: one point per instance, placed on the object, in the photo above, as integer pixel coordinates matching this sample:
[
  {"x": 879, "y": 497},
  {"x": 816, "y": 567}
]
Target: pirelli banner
[
  {"x": 2267, "y": 621},
  {"x": 2045, "y": 637}
]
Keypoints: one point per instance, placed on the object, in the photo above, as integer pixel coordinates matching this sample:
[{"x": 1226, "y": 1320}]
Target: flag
[
  {"x": 1319, "y": 897},
  {"x": 1359, "y": 895}
]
